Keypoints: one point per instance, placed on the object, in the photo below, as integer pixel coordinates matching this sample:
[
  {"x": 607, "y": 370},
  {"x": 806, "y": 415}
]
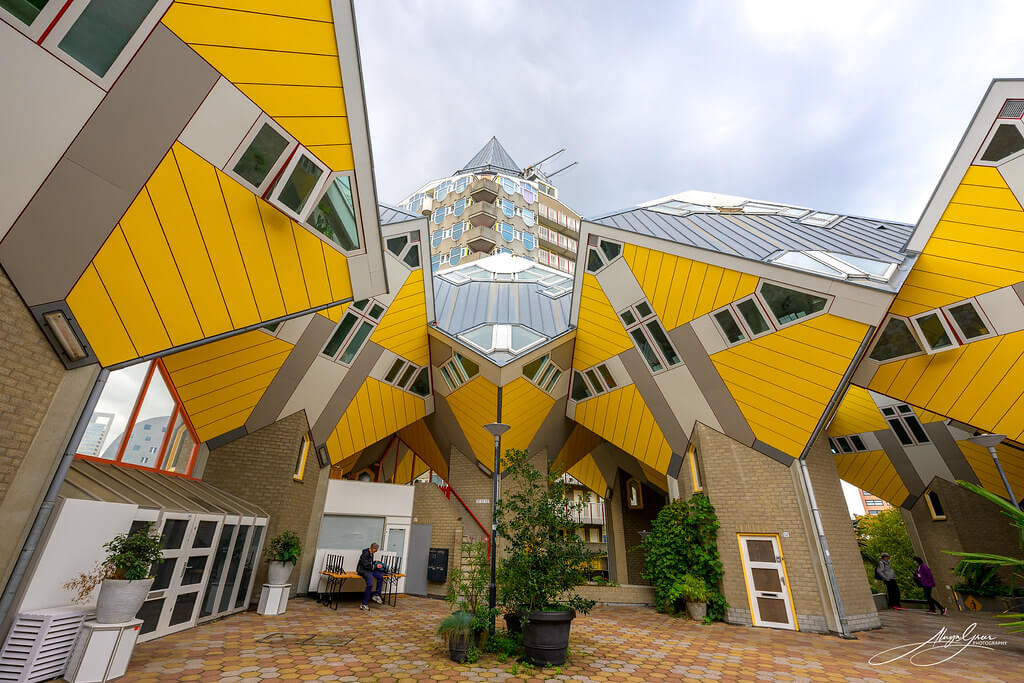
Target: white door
[
  {"x": 395, "y": 541},
  {"x": 765, "y": 573}
]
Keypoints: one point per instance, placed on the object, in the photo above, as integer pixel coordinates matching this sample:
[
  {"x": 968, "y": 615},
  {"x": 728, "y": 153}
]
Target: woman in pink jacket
[{"x": 923, "y": 577}]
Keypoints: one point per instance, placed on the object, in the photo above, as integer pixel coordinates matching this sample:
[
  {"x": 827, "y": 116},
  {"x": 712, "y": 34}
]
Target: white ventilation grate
[
  {"x": 1012, "y": 109},
  {"x": 40, "y": 642}
]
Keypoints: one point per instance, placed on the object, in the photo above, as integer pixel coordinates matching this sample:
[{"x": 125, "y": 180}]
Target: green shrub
[
  {"x": 689, "y": 588},
  {"x": 682, "y": 542},
  {"x": 285, "y": 547},
  {"x": 504, "y": 644},
  {"x": 468, "y": 586}
]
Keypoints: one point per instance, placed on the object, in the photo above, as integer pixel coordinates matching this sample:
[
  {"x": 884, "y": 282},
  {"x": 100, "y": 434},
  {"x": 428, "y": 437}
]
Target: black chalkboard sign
[{"x": 437, "y": 565}]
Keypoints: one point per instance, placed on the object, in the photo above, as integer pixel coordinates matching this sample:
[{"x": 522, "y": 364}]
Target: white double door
[
  {"x": 188, "y": 542},
  {"x": 770, "y": 601}
]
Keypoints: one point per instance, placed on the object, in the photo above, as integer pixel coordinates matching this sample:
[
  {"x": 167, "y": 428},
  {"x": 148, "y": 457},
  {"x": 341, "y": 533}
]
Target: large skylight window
[
  {"x": 834, "y": 264},
  {"x": 509, "y": 338}
]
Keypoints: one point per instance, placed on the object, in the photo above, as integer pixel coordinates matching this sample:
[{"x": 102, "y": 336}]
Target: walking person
[
  {"x": 923, "y": 578},
  {"x": 369, "y": 570},
  {"x": 885, "y": 573}
]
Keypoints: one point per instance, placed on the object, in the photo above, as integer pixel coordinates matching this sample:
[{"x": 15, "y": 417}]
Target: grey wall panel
[
  {"x": 446, "y": 430},
  {"x": 723, "y": 405},
  {"x": 773, "y": 453},
  {"x": 346, "y": 391},
  {"x": 562, "y": 355},
  {"x": 656, "y": 402},
  {"x": 291, "y": 372},
  {"x": 416, "y": 562},
  {"x": 439, "y": 352},
  {"x": 951, "y": 454},
  {"x": 553, "y": 432},
  {"x": 899, "y": 459},
  {"x": 105, "y": 167}
]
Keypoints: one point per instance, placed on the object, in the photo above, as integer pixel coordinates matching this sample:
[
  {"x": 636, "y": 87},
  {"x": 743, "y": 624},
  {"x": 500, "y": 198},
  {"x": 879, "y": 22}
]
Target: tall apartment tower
[
  {"x": 492, "y": 206},
  {"x": 872, "y": 503}
]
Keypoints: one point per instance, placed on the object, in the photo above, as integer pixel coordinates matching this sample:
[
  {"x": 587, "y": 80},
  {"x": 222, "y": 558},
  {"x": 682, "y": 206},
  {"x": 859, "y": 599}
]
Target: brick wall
[
  {"x": 635, "y": 521},
  {"x": 972, "y": 524},
  {"x": 754, "y": 494},
  {"x": 430, "y": 506},
  {"x": 470, "y": 482},
  {"x": 258, "y": 468},
  {"x": 842, "y": 540},
  {"x": 29, "y": 375}
]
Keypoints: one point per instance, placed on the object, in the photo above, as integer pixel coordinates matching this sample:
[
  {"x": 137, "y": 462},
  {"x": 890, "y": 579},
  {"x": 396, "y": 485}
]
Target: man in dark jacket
[
  {"x": 366, "y": 570},
  {"x": 923, "y": 577},
  {"x": 887, "y": 575}
]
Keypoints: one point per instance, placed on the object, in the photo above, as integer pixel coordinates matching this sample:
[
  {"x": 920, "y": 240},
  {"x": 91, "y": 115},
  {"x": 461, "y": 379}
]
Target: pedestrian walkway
[{"x": 611, "y": 644}]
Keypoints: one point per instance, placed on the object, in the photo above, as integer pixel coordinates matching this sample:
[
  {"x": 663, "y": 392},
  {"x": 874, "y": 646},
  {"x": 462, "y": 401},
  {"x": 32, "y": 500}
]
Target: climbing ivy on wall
[{"x": 683, "y": 541}]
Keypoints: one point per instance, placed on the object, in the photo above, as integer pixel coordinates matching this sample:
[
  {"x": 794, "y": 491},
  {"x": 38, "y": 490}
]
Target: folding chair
[
  {"x": 391, "y": 578},
  {"x": 333, "y": 569}
]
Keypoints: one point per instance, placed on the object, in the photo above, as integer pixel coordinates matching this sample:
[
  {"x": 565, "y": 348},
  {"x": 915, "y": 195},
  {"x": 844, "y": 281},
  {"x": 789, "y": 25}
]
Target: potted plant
[
  {"x": 124, "y": 577},
  {"x": 468, "y": 587},
  {"x": 544, "y": 561},
  {"x": 283, "y": 551},
  {"x": 695, "y": 592},
  {"x": 457, "y": 631}
]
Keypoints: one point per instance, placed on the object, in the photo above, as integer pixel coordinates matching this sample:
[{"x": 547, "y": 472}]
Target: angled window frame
[
  {"x": 243, "y": 147},
  {"x": 37, "y": 27},
  {"x": 829, "y": 299},
  {"x": 302, "y": 457},
  {"x": 961, "y": 336},
  {"x": 640, "y": 324},
  {"x": 64, "y": 20},
  {"x": 936, "y": 515},
  {"x": 901, "y": 414},
  {"x": 274, "y": 194},
  {"x": 362, "y": 316},
  {"x": 360, "y": 233},
  {"x": 695, "y": 478},
  {"x": 940, "y": 315},
  {"x": 878, "y": 336},
  {"x": 978, "y": 161}
]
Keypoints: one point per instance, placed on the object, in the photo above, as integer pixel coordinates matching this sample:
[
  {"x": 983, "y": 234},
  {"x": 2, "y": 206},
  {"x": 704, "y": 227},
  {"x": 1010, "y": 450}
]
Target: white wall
[
  {"x": 367, "y": 499},
  {"x": 74, "y": 546}
]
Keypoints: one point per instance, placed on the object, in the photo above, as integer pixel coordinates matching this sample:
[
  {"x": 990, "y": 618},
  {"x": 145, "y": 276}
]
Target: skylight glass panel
[
  {"x": 801, "y": 260},
  {"x": 793, "y": 212},
  {"x": 869, "y": 266},
  {"x": 481, "y": 337},
  {"x": 523, "y": 338},
  {"x": 819, "y": 219}
]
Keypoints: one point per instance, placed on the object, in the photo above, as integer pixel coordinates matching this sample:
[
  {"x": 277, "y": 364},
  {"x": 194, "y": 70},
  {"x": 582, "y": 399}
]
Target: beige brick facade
[
  {"x": 259, "y": 468},
  {"x": 431, "y": 506}
]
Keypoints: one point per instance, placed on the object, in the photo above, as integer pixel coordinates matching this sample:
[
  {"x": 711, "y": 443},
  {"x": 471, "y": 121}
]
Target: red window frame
[{"x": 133, "y": 416}]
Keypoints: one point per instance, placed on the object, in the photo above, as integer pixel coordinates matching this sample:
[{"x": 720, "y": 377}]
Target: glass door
[
  {"x": 173, "y": 527},
  {"x": 394, "y": 542},
  {"x": 239, "y": 546},
  {"x": 218, "y": 572}
]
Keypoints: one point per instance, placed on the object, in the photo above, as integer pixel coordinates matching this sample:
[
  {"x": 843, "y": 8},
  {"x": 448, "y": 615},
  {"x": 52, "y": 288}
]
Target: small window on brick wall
[{"x": 302, "y": 456}]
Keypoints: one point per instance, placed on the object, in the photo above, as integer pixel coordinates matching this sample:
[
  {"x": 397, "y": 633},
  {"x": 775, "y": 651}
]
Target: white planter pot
[
  {"x": 279, "y": 572},
  {"x": 119, "y": 601},
  {"x": 696, "y": 610}
]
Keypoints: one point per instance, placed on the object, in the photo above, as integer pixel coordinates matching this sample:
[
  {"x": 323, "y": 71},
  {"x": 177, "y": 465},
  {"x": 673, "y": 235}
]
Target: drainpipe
[
  {"x": 50, "y": 499},
  {"x": 819, "y": 528}
]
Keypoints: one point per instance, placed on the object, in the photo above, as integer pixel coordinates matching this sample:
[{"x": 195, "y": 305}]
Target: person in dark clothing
[
  {"x": 887, "y": 575},
  {"x": 923, "y": 577},
  {"x": 365, "y": 568}
]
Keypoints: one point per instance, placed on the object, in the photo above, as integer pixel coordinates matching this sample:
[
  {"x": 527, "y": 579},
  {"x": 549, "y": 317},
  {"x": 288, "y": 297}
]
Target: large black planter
[
  {"x": 546, "y": 637},
  {"x": 458, "y": 646}
]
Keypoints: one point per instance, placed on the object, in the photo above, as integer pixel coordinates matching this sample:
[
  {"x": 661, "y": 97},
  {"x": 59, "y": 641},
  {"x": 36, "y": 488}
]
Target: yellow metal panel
[
  {"x": 857, "y": 413},
  {"x": 993, "y": 237},
  {"x": 1011, "y": 459},
  {"x": 174, "y": 209},
  {"x": 727, "y": 288},
  {"x": 240, "y": 65},
  {"x": 762, "y": 364},
  {"x": 243, "y": 207},
  {"x": 670, "y": 313},
  {"x": 215, "y": 349},
  {"x": 268, "y": 346},
  {"x": 995, "y": 197},
  {"x": 127, "y": 289},
  {"x": 884, "y": 376},
  {"x": 523, "y": 407},
  {"x": 200, "y": 25},
  {"x": 314, "y": 268},
  {"x": 665, "y": 283},
  {"x": 476, "y": 404},
  {"x": 646, "y": 442},
  {"x": 693, "y": 286},
  {"x": 419, "y": 438},
  {"x": 873, "y": 472},
  {"x": 580, "y": 442},
  {"x": 708, "y": 291},
  {"x": 1005, "y": 392},
  {"x": 204, "y": 193},
  {"x": 588, "y": 474},
  {"x": 318, "y": 10},
  {"x": 223, "y": 393},
  {"x": 297, "y": 100},
  {"x": 373, "y": 415},
  {"x": 95, "y": 314},
  {"x": 755, "y": 390},
  {"x": 238, "y": 406},
  {"x": 933, "y": 376},
  {"x": 152, "y": 255},
  {"x": 229, "y": 371},
  {"x": 225, "y": 425},
  {"x": 1012, "y": 423},
  {"x": 337, "y": 273},
  {"x": 281, "y": 239},
  {"x": 746, "y": 285},
  {"x": 983, "y": 175},
  {"x": 988, "y": 379},
  {"x": 403, "y": 329},
  {"x": 337, "y": 157},
  {"x": 600, "y": 334},
  {"x": 318, "y": 130}
]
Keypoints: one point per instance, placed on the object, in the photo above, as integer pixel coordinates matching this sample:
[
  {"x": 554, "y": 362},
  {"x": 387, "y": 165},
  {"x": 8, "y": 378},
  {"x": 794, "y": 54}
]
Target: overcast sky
[{"x": 851, "y": 107}]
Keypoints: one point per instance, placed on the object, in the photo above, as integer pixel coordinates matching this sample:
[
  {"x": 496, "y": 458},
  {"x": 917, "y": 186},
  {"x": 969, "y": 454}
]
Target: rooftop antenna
[
  {"x": 564, "y": 168},
  {"x": 550, "y": 156}
]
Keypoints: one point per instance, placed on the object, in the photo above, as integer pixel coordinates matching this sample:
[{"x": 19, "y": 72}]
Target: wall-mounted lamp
[{"x": 65, "y": 335}]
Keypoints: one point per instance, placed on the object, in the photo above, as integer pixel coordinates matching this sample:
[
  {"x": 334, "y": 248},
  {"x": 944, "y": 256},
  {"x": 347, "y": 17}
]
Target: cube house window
[
  {"x": 788, "y": 305},
  {"x": 102, "y": 31},
  {"x": 334, "y": 216},
  {"x": 260, "y": 156},
  {"x": 935, "y": 505},
  {"x": 25, "y": 10},
  {"x": 730, "y": 328},
  {"x": 933, "y": 331},
  {"x": 751, "y": 313},
  {"x": 895, "y": 341},
  {"x": 300, "y": 183},
  {"x": 968, "y": 321}
]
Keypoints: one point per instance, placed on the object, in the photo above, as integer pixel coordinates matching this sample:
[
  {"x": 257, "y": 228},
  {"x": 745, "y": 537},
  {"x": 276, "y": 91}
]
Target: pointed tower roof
[{"x": 492, "y": 158}]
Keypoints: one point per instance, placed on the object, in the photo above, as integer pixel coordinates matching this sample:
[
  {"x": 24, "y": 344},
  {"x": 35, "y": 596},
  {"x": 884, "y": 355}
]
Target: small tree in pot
[
  {"x": 544, "y": 559},
  {"x": 468, "y": 584},
  {"x": 457, "y": 631},
  {"x": 283, "y": 551},
  {"x": 694, "y": 591},
  {"x": 124, "y": 577}
]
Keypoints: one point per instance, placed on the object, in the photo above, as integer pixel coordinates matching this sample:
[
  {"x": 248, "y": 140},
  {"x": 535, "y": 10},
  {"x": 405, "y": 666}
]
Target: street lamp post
[
  {"x": 495, "y": 429},
  {"x": 990, "y": 441}
]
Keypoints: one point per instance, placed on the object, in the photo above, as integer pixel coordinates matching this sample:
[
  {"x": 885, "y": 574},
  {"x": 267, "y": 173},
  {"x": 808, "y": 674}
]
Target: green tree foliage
[
  {"x": 545, "y": 560},
  {"x": 886, "y": 533},
  {"x": 683, "y": 542},
  {"x": 468, "y": 585}
]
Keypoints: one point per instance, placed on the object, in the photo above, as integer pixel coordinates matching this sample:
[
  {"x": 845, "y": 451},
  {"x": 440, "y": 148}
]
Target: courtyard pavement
[{"x": 611, "y": 644}]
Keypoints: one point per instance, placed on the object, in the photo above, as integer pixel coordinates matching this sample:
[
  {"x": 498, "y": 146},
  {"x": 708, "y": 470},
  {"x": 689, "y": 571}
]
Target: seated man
[{"x": 368, "y": 570}]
